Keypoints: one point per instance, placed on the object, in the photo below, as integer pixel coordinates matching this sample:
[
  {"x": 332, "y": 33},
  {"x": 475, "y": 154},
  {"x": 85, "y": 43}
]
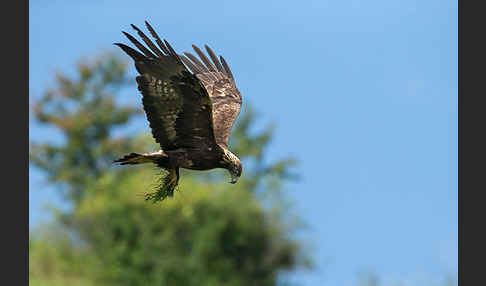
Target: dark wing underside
[
  {"x": 220, "y": 85},
  {"x": 177, "y": 105}
]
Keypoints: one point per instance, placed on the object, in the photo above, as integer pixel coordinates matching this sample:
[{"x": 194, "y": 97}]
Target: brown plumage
[{"x": 191, "y": 105}]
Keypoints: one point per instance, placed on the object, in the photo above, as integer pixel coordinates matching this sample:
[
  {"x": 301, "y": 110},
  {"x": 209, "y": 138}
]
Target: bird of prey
[{"x": 191, "y": 105}]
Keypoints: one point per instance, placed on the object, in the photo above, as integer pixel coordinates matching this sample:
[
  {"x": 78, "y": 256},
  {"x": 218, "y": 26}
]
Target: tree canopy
[{"x": 209, "y": 233}]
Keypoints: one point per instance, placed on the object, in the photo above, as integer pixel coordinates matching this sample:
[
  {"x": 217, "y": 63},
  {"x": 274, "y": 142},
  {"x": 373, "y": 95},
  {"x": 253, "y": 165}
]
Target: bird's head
[{"x": 233, "y": 165}]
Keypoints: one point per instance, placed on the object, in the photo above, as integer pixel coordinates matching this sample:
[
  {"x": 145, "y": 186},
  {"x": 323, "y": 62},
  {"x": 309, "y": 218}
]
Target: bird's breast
[{"x": 196, "y": 159}]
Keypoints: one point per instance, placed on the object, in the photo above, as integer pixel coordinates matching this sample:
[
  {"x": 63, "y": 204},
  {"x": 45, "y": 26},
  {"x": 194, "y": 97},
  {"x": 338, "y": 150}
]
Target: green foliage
[
  {"x": 209, "y": 233},
  {"x": 218, "y": 234},
  {"x": 167, "y": 184},
  {"x": 55, "y": 260},
  {"x": 86, "y": 113}
]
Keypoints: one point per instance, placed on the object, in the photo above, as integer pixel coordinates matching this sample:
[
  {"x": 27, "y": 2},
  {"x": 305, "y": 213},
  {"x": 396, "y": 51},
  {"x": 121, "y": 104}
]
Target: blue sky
[{"x": 364, "y": 94}]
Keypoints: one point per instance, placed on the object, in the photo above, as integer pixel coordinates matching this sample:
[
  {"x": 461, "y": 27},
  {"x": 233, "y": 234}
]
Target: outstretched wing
[
  {"x": 221, "y": 87},
  {"x": 177, "y": 105}
]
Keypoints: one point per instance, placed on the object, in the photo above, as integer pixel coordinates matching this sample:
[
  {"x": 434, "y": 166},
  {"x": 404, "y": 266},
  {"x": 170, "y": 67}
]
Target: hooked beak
[{"x": 233, "y": 180}]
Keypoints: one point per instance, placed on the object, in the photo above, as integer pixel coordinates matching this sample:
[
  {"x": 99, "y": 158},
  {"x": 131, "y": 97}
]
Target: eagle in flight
[{"x": 191, "y": 105}]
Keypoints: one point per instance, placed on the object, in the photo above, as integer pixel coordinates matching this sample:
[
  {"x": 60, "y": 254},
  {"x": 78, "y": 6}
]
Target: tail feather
[
  {"x": 130, "y": 159},
  {"x": 136, "y": 158}
]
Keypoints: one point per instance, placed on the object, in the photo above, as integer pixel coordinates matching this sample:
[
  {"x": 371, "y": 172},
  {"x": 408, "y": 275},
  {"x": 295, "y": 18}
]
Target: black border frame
[{"x": 15, "y": 138}]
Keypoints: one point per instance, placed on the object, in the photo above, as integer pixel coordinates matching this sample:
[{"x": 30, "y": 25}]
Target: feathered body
[{"x": 191, "y": 105}]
